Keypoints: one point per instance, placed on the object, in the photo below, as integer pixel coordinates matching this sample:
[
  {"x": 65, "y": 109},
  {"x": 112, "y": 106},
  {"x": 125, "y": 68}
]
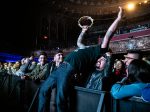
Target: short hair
[
  {"x": 58, "y": 51},
  {"x": 134, "y": 51},
  {"x": 139, "y": 70},
  {"x": 43, "y": 53}
]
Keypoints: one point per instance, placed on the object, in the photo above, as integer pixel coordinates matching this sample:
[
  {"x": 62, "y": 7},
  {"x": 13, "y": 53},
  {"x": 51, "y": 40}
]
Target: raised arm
[
  {"x": 80, "y": 38},
  {"x": 111, "y": 30}
]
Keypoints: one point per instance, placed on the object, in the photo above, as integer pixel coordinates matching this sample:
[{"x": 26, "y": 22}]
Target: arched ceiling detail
[{"x": 94, "y": 8}]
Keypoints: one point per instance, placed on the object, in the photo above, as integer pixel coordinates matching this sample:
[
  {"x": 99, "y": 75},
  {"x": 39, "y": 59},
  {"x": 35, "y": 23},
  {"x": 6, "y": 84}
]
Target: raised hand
[
  {"x": 84, "y": 28},
  {"x": 120, "y": 13},
  {"x": 111, "y": 30}
]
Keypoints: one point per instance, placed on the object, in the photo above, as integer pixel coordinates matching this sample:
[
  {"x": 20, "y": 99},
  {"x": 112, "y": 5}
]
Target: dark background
[{"x": 18, "y": 26}]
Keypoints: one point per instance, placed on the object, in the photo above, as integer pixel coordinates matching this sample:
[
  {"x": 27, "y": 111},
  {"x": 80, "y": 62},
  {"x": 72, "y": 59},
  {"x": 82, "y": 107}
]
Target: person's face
[
  {"x": 5, "y": 65},
  {"x": 58, "y": 57},
  {"x": 128, "y": 60},
  {"x": 17, "y": 64},
  {"x": 101, "y": 62},
  {"x": 9, "y": 64},
  {"x": 118, "y": 65},
  {"x": 130, "y": 57},
  {"x": 42, "y": 59}
]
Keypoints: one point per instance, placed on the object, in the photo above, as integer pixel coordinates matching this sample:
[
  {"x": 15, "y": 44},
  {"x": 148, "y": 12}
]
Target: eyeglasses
[{"x": 129, "y": 58}]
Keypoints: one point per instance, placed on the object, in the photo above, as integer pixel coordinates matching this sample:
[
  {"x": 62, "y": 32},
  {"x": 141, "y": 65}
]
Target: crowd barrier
[
  {"x": 24, "y": 93},
  {"x": 134, "y": 104}
]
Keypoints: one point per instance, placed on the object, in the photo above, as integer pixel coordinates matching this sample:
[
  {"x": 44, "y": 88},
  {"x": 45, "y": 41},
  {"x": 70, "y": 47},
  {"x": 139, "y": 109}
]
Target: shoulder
[{"x": 146, "y": 93}]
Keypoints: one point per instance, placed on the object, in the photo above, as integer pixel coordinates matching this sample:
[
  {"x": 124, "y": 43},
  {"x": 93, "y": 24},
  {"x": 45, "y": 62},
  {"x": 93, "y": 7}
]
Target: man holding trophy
[{"x": 75, "y": 62}]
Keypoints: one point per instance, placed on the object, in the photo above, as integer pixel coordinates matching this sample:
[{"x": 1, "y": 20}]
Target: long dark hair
[{"x": 139, "y": 70}]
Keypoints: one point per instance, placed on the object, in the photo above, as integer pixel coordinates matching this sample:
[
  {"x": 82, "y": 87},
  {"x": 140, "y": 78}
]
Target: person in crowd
[
  {"x": 41, "y": 71},
  {"x": 131, "y": 55},
  {"x": 137, "y": 79},
  {"x": 2, "y": 69},
  {"x": 27, "y": 66},
  {"x": 54, "y": 64},
  {"x": 9, "y": 68},
  {"x": 30, "y": 64},
  {"x": 5, "y": 65},
  {"x": 16, "y": 67},
  {"x": 75, "y": 62},
  {"x": 102, "y": 74},
  {"x": 57, "y": 60},
  {"x": 119, "y": 70},
  {"x": 102, "y": 78}
]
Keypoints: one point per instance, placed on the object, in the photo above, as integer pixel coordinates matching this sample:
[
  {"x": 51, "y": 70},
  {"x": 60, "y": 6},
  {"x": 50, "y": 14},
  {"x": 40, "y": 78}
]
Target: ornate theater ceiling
[
  {"x": 88, "y": 7},
  {"x": 61, "y": 14}
]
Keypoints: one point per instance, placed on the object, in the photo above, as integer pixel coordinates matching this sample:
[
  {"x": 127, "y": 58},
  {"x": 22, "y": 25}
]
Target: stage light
[
  {"x": 140, "y": 3},
  {"x": 145, "y": 1},
  {"x": 130, "y": 6}
]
